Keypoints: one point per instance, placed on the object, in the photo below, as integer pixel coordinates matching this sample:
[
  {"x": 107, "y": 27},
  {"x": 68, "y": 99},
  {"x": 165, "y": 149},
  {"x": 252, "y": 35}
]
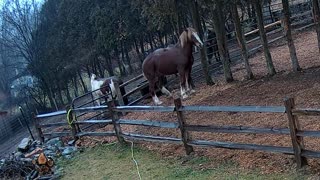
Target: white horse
[{"x": 101, "y": 87}]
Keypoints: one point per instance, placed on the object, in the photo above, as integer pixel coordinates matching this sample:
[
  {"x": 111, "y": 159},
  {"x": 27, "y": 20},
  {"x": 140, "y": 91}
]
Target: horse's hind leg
[
  {"x": 155, "y": 98},
  {"x": 163, "y": 89}
]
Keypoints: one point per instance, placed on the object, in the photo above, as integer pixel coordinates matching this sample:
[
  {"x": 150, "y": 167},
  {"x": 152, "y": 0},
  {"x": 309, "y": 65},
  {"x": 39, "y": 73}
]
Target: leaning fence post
[
  {"x": 38, "y": 128},
  {"x": 297, "y": 142},
  {"x": 184, "y": 133},
  {"x": 115, "y": 119}
]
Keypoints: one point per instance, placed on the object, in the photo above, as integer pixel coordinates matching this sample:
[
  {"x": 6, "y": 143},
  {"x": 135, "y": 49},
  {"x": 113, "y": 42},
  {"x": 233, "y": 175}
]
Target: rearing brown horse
[{"x": 172, "y": 60}]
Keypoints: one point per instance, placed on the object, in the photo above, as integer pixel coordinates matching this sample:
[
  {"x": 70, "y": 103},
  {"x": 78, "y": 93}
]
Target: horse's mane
[{"x": 183, "y": 38}]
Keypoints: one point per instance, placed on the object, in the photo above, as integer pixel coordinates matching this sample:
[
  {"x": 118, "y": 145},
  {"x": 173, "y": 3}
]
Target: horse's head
[
  {"x": 93, "y": 77},
  {"x": 191, "y": 35}
]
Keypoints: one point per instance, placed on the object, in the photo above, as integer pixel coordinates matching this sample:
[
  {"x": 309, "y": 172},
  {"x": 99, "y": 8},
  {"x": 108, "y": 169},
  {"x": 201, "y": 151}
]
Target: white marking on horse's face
[{"x": 199, "y": 43}]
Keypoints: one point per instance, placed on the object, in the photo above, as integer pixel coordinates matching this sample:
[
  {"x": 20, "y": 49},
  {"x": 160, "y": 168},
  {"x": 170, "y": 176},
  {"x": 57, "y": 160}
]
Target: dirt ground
[{"x": 264, "y": 91}]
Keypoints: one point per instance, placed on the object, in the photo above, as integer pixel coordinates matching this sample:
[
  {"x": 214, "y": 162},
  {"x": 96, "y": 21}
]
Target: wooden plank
[
  {"x": 149, "y": 123},
  {"x": 268, "y": 33},
  {"x": 87, "y": 109},
  {"x": 308, "y": 133},
  {"x": 139, "y": 99},
  {"x": 144, "y": 109},
  {"x": 269, "y": 42},
  {"x": 54, "y": 124},
  {"x": 107, "y": 121},
  {"x": 131, "y": 80},
  {"x": 306, "y": 112},
  {"x": 227, "y": 145},
  {"x": 182, "y": 123},
  {"x": 297, "y": 141},
  {"x": 119, "y": 95},
  {"x": 265, "y": 27},
  {"x": 261, "y": 109},
  {"x": 136, "y": 89},
  {"x": 115, "y": 119},
  {"x": 109, "y": 133},
  {"x": 310, "y": 154},
  {"x": 57, "y": 113},
  {"x": 57, "y": 134},
  {"x": 140, "y": 137},
  {"x": 237, "y": 129}
]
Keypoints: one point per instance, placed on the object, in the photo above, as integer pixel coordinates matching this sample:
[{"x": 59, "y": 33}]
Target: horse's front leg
[
  {"x": 189, "y": 81},
  {"x": 183, "y": 84}
]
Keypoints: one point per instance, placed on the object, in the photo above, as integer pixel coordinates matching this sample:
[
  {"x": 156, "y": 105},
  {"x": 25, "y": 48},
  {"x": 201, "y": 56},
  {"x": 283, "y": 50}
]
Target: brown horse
[{"x": 172, "y": 60}]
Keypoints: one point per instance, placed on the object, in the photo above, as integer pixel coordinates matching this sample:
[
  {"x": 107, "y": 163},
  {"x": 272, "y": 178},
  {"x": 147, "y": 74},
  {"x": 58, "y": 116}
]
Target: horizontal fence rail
[
  {"x": 293, "y": 130},
  {"x": 261, "y": 109},
  {"x": 144, "y": 109}
]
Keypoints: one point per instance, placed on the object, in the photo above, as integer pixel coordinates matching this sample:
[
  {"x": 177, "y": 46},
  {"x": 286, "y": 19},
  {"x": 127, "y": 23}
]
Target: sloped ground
[{"x": 304, "y": 86}]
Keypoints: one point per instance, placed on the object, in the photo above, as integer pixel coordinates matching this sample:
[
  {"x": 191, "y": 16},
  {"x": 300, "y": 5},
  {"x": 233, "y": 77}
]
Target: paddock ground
[{"x": 304, "y": 86}]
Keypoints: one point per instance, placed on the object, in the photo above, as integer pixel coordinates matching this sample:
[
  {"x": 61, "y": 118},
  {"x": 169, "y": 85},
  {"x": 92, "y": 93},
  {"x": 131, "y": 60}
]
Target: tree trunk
[
  {"x": 197, "y": 25},
  {"x": 287, "y": 30},
  {"x": 177, "y": 9},
  {"x": 85, "y": 89},
  {"x": 107, "y": 58},
  {"x": 221, "y": 40},
  {"x": 88, "y": 70},
  {"x": 126, "y": 47},
  {"x": 68, "y": 94},
  {"x": 241, "y": 40},
  {"x": 137, "y": 50},
  {"x": 150, "y": 41},
  {"x": 99, "y": 67},
  {"x": 160, "y": 39},
  {"x": 142, "y": 47},
  {"x": 75, "y": 84},
  {"x": 316, "y": 19},
  {"x": 263, "y": 36},
  {"x": 60, "y": 94}
]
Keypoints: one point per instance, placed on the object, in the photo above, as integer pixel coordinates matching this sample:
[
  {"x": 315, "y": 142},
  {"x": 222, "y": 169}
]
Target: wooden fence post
[
  {"x": 297, "y": 142},
  {"x": 119, "y": 95},
  {"x": 184, "y": 133},
  {"x": 72, "y": 123},
  {"x": 115, "y": 119},
  {"x": 38, "y": 128}
]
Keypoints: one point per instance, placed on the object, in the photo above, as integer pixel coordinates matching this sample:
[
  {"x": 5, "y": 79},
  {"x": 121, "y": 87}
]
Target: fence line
[{"x": 296, "y": 134}]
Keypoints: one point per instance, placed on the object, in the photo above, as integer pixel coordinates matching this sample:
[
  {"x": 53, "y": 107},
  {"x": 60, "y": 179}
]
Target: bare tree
[
  {"x": 263, "y": 36},
  {"x": 219, "y": 21},
  {"x": 197, "y": 24},
  {"x": 287, "y": 29},
  {"x": 241, "y": 40}
]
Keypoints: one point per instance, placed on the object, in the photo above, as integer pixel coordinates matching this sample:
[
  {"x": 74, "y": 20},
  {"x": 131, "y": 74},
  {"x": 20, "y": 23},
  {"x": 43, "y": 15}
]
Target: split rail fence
[{"x": 297, "y": 149}]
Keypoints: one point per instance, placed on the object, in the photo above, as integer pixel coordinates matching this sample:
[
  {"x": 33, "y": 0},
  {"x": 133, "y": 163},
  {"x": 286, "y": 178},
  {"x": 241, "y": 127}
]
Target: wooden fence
[
  {"x": 297, "y": 149},
  {"x": 274, "y": 32}
]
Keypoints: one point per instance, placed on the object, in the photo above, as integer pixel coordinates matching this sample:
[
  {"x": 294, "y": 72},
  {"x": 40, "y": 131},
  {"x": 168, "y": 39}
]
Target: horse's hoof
[{"x": 192, "y": 91}]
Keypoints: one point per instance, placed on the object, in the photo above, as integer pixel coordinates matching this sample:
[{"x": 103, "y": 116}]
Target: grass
[{"x": 115, "y": 162}]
